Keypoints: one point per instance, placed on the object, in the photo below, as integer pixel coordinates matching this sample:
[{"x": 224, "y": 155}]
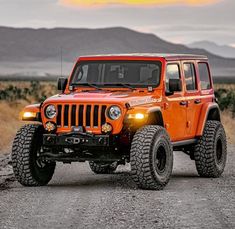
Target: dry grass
[
  {"x": 224, "y": 86},
  {"x": 229, "y": 125},
  {"x": 9, "y": 122},
  {"x": 9, "y": 111}
]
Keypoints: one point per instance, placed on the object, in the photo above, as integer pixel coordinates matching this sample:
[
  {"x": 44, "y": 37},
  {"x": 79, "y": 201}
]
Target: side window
[
  {"x": 204, "y": 76},
  {"x": 190, "y": 77},
  {"x": 172, "y": 72}
]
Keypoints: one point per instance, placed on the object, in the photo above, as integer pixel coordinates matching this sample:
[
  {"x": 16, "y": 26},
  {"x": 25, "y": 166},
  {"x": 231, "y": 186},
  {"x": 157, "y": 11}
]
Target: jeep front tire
[
  {"x": 210, "y": 153},
  {"x": 151, "y": 157},
  {"x": 29, "y": 170}
]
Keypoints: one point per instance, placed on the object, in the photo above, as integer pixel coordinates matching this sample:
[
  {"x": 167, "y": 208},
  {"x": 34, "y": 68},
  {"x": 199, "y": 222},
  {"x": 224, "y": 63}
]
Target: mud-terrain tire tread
[
  {"x": 142, "y": 170},
  {"x": 204, "y": 151},
  {"x": 100, "y": 168},
  {"x": 21, "y": 157}
]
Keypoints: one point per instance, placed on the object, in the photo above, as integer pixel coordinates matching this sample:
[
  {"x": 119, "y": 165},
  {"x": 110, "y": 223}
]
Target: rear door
[
  {"x": 192, "y": 96},
  {"x": 206, "y": 84},
  {"x": 174, "y": 105}
]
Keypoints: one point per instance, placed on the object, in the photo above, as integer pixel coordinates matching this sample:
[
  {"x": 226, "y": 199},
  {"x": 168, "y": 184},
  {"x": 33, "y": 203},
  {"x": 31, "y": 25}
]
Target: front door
[{"x": 174, "y": 106}]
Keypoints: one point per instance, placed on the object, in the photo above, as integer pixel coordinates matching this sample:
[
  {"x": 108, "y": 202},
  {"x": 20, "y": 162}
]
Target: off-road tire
[
  {"x": 210, "y": 153},
  {"x": 102, "y": 168},
  {"x": 148, "y": 143},
  {"x": 25, "y": 147}
]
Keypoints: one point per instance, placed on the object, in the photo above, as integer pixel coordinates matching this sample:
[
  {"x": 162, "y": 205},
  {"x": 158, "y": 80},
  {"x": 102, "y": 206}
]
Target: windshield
[{"x": 117, "y": 73}]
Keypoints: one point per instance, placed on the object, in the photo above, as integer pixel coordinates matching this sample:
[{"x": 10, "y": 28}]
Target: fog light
[
  {"x": 50, "y": 126},
  {"x": 106, "y": 128}
]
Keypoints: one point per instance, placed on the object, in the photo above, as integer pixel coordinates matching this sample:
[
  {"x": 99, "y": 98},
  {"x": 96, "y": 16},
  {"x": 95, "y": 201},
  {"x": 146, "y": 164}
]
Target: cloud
[{"x": 89, "y": 3}]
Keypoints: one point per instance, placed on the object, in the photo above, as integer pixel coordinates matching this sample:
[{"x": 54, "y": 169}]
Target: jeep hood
[{"x": 134, "y": 98}]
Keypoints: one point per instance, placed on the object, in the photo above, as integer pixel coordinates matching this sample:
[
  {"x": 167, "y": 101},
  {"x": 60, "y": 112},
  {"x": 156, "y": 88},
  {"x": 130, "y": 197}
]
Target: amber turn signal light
[
  {"x": 138, "y": 116},
  {"x": 29, "y": 115}
]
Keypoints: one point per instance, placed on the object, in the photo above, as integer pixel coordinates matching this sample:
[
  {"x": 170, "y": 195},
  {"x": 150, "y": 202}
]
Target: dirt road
[{"x": 76, "y": 198}]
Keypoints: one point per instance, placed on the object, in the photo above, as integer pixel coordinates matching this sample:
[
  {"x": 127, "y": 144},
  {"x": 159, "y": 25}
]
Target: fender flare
[
  {"x": 155, "y": 116},
  {"x": 209, "y": 111}
]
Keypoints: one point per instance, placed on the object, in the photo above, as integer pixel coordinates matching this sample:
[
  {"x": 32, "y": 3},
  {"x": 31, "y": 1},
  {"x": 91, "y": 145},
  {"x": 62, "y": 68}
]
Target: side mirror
[
  {"x": 175, "y": 85},
  {"x": 62, "y": 82}
]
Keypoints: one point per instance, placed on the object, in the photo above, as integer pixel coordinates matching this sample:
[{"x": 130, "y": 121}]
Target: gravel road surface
[{"x": 77, "y": 198}]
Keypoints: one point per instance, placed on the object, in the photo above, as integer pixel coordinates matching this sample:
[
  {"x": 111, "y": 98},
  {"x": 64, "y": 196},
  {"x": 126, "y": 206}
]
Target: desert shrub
[
  {"x": 35, "y": 91},
  {"x": 226, "y": 99}
]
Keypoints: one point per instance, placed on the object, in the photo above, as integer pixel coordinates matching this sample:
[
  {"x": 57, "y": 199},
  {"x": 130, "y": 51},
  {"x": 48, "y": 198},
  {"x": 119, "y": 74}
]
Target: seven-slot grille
[{"x": 91, "y": 116}]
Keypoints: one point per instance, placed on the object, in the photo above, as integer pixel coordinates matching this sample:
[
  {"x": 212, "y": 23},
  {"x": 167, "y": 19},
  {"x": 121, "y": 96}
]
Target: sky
[{"x": 178, "y": 21}]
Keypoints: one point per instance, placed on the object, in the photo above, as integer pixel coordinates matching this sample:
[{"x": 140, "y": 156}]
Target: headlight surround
[
  {"x": 50, "y": 111},
  {"x": 114, "y": 112}
]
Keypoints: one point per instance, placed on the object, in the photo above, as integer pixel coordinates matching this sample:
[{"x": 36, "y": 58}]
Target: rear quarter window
[{"x": 204, "y": 76}]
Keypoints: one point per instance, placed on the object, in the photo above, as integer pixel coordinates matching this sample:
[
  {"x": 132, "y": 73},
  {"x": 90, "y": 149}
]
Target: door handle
[
  {"x": 183, "y": 103},
  {"x": 197, "y": 101}
]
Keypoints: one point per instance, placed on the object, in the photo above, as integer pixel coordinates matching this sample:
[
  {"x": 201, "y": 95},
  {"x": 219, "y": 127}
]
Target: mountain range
[
  {"x": 26, "y": 51},
  {"x": 221, "y": 50}
]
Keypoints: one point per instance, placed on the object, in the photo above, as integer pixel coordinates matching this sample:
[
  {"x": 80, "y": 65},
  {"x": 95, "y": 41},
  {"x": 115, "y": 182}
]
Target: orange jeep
[{"x": 116, "y": 109}]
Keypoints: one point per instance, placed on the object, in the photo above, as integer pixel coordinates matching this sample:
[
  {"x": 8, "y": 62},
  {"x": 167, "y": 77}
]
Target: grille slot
[
  {"x": 66, "y": 115},
  {"x": 58, "y": 118},
  {"x": 95, "y": 115},
  {"x": 73, "y": 116},
  {"x": 90, "y": 116},
  {"x": 80, "y": 119},
  {"x": 103, "y": 119}
]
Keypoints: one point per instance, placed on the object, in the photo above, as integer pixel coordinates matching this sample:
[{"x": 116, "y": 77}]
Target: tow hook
[{"x": 73, "y": 140}]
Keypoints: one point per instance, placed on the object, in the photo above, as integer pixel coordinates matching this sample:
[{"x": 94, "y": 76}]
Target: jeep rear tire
[
  {"x": 102, "y": 168},
  {"x": 29, "y": 170},
  {"x": 210, "y": 153},
  {"x": 151, "y": 157}
]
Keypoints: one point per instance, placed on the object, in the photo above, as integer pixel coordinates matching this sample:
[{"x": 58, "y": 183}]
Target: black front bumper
[{"x": 76, "y": 140}]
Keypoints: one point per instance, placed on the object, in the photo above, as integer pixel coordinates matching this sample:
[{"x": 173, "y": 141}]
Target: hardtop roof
[{"x": 166, "y": 56}]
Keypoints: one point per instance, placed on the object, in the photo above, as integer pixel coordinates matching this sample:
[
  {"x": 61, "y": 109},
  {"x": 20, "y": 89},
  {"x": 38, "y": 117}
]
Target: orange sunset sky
[{"x": 135, "y": 2}]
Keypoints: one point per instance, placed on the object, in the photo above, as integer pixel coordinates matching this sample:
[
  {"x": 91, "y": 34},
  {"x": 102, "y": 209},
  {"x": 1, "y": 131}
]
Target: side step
[{"x": 185, "y": 142}]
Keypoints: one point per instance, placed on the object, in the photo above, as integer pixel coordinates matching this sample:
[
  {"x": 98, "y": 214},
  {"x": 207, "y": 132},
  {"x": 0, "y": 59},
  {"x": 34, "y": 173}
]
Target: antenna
[{"x": 61, "y": 61}]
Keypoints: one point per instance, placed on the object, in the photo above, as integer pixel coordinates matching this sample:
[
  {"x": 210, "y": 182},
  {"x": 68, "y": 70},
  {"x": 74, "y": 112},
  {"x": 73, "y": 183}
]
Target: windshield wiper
[
  {"x": 122, "y": 84},
  {"x": 87, "y": 84}
]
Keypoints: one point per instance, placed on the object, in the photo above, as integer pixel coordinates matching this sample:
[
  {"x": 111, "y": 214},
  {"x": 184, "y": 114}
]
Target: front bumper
[{"x": 76, "y": 140}]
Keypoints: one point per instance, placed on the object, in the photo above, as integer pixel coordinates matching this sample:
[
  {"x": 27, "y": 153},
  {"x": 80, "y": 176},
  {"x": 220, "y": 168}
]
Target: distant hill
[
  {"x": 221, "y": 50},
  {"x": 37, "y": 51}
]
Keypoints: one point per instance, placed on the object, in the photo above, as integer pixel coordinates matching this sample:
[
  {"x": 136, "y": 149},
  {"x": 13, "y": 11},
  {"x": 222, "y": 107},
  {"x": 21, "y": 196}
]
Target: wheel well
[
  {"x": 214, "y": 114},
  {"x": 155, "y": 118}
]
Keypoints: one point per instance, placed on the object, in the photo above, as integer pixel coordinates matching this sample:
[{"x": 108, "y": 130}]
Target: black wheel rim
[
  {"x": 160, "y": 159},
  {"x": 39, "y": 162},
  {"x": 219, "y": 150}
]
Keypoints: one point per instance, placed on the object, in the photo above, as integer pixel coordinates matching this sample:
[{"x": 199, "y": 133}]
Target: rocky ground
[
  {"x": 77, "y": 198},
  {"x": 6, "y": 172}
]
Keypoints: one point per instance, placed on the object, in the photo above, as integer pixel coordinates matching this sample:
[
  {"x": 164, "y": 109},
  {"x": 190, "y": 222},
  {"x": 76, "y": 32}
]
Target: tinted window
[
  {"x": 190, "y": 77},
  {"x": 172, "y": 72},
  {"x": 139, "y": 73},
  {"x": 204, "y": 76}
]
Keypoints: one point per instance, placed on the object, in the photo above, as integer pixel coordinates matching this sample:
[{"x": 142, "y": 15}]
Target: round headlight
[
  {"x": 114, "y": 112},
  {"x": 50, "y": 111}
]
